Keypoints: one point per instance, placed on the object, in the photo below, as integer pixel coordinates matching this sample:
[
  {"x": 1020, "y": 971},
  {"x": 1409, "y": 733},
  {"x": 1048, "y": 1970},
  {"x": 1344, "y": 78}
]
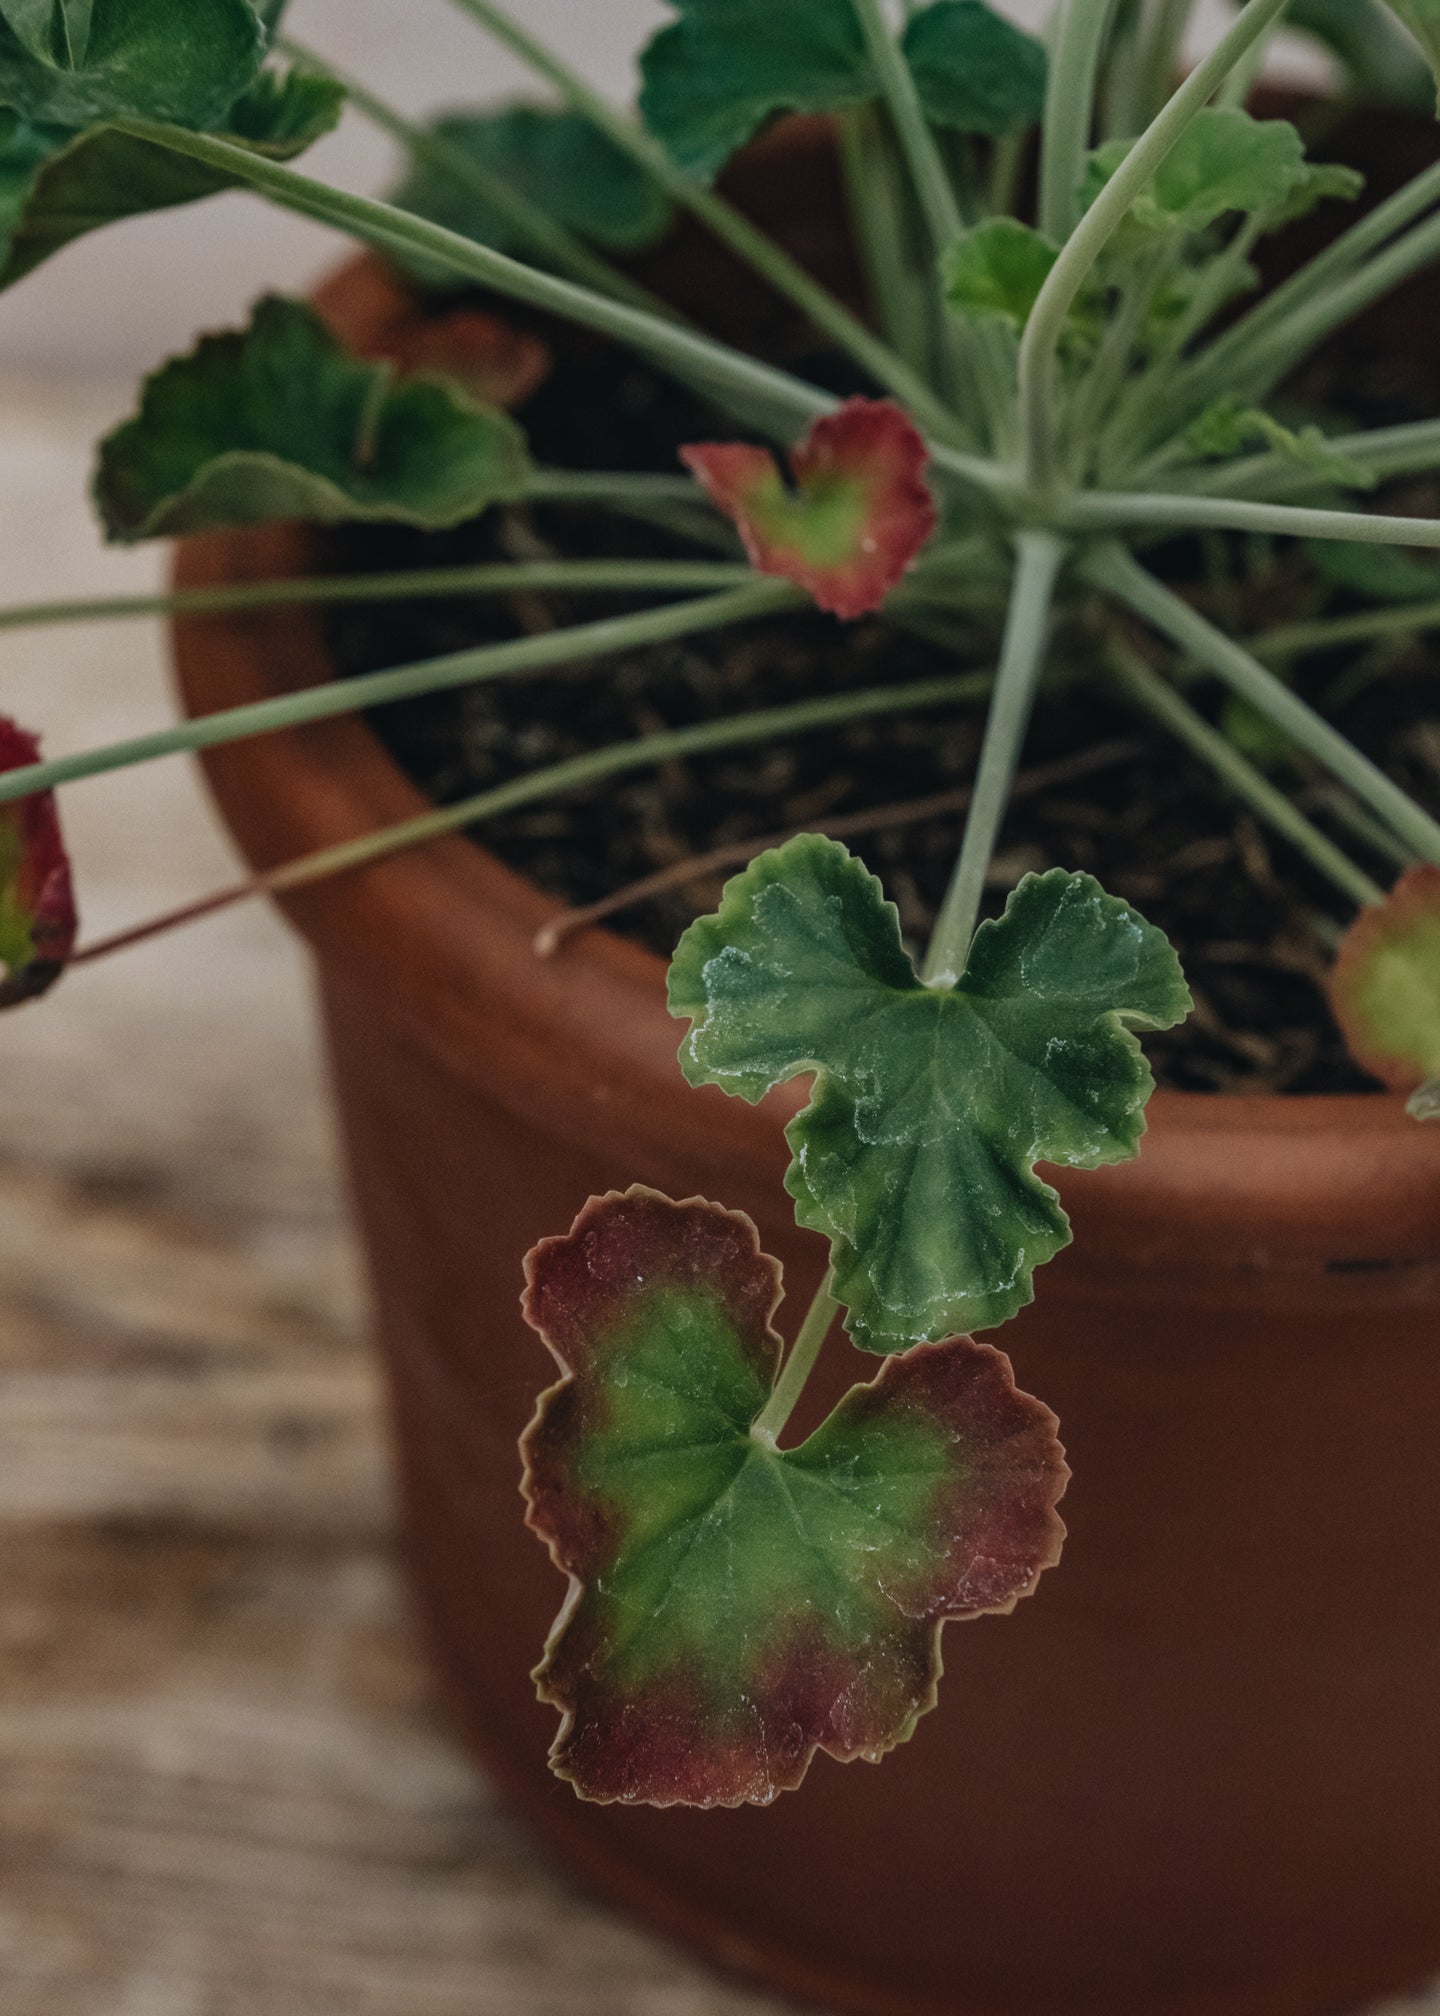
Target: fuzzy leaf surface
[
  {"x": 184, "y": 61},
  {"x": 857, "y": 518},
  {"x": 557, "y": 161},
  {"x": 1385, "y": 988},
  {"x": 737, "y": 1607},
  {"x": 1224, "y": 161},
  {"x": 931, "y": 1104},
  {"x": 279, "y": 421},
  {"x": 725, "y": 67},
  {"x": 55, "y": 185},
  {"x": 38, "y": 919}
]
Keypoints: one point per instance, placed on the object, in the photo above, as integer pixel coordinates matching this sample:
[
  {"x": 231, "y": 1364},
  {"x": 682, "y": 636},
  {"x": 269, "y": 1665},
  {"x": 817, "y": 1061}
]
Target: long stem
[
  {"x": 1040, "y": 347},
  {"x": 1039, "y": 559},
  {"x": 461, "y": 668},
  {"x": 1166, "y": 706},
  {"x": 535, "y": 228},
  {"x": 1114, "y": 570},
  {"x": 927, "y": 169},
  {"x": 1334, "y": 633},
  {"x": 669, "y": 745},
  {"x": 727, "y": 223},
  {"x": 1383, "y": 453},
  {"x": 877, "y": 213},
  {"x": 770, "y": 1423},
  {"x": 783, "y": 400},
  {"x": 1115, "y": 510},
  {"x": 619, "y": 577},
  {"x": 1163, "y": 54},
  {"x": 1070, "y": 111}
]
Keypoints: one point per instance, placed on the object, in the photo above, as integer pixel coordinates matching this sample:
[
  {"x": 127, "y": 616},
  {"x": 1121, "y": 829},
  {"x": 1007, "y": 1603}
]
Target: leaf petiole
[{"x": 769, "y": 1425}]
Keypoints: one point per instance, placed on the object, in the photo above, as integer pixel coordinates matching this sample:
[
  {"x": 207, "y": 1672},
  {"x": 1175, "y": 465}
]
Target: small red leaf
[
  {"x": 860, "y": 512},
  {"x": 735, "y": 1607},
  {"x": 1385, "y": 989},
  {"x": 38, "y": 919},
  {"x": 378, "y": 317}
]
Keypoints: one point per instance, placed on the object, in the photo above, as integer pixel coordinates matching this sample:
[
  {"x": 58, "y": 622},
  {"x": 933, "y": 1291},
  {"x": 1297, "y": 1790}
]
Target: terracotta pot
[{"x": 1201, "y": 1771}]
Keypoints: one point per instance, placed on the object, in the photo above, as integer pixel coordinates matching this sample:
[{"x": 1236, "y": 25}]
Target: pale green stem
[
  {"x": 769, "y": 1424},
  {"x": 1165, "y": 705},
  {"x": 1383, "y": 453},
  {"x": 726, "y": 222},
  {"x": 1117, "y": 510},
  {"x": 875, "y": 203},
  {"x": 604, "y": 577},
  {"x": 1334, "y": 633},
  {"x": 1040, "y": 347},
  {"x": 785, "y": 400},
  {"x": 1039, "y": 558},
  {"x": 534, "y": 226},
  {"x": 377, "y": 689},
  {"x": 1234, "y": 93},
  {"x": 917, "y": 142},
  {"x": 1075, "y": 57},
  {"x": 1114, "y": 570},
  {"x": 1097, "y": 397},
  {"x": 1377, "y": 837},
  {"x": 1163, "y": 52}
]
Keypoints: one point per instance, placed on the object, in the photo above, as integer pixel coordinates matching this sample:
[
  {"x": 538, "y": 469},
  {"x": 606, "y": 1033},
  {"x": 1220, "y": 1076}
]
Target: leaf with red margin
[
  {"x": 1385, "y": 989},
  {"x": 735, "y": 1607},
  {"x": 860, "y": 512},
  {"x": 38, "y": 919}
]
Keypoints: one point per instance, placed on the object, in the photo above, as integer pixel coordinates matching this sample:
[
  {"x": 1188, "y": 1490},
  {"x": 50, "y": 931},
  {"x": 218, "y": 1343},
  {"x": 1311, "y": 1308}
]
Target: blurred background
[{"x": 227, "y": 1791}]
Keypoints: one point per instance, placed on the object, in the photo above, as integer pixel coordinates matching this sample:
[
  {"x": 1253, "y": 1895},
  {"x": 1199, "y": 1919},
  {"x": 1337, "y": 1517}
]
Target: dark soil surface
[{"x": 1101, "y": 789}]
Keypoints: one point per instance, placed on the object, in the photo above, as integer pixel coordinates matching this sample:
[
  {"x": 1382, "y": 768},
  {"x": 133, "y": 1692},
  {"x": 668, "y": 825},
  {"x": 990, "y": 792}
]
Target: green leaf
[
  {"x": 736, "y": 1607},
  {"x": 1381, "y": 573},
  {"x": 1322, "y": 182},
  {"x": 1229, "y": 427},
  {"x": 932, "y": 1104},
  {"x": 1422, "y": 18},
  {"x": 53, "y": 31},
  {"x": 1383, "y": 63},
  {"x": 55, "y": 185},
  {"x": 184, "y": 61},
  {"x": 713, "y": 78},
  {"x": 1385, "y": 988},
  {"x": 556, "y": 161},
  {"x": 1225, "y": 161},
  {"x": 997, "y": 271},
  {"x": 280, "y": 422},
  {"x": 976, "y": 72}
]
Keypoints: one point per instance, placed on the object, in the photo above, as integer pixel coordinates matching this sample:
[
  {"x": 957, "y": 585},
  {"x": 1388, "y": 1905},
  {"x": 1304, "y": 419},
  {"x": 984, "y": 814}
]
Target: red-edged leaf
[
  {"x": 1386, "y": 985},
  {"x": 858, "y": 515},
  {"x": 37, "y": 900},
  {"x": 735, "y": 1607}
]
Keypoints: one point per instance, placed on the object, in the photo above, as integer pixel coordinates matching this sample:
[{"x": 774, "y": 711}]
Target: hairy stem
[
  {"x": 618, "y": 577},
  {"x": 770, "y": 1423},
  {"x": 1039, "y": 558},
  {"x": 1163, "y": 704},
  {"x": 461, "y": 668},
  {"x": 1114, "y": 570},
  {"x": 727, "y": 223},
  {"x": 1040, "y": 347}
]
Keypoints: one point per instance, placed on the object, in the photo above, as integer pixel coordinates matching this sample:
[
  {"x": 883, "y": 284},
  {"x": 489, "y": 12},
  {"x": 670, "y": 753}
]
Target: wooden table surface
[{"x": 225, "y": 1787}]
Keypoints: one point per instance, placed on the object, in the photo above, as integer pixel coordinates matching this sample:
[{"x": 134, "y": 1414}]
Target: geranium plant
[{"x": 1051, "y": 387}]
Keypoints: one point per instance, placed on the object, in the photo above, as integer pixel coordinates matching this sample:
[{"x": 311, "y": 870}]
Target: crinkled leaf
[
  {"x": 1422, "y": 18},
  {"x": 1230, "y": 426},
  {"x": 279, "y": 421},
  {"x": 931, "y": 1104},
  {"x": 717, "y": 74},
  {"x": 998, "y": 269},
  {"x": 736, "y": 1607},
  {"x": 976, "y": 72},
  {"x": 1224, "y": 161},
  {"x": 1383, "y": 573},
  {"x": 557, "y": 161},
  {"x": 1322, "y": 182},
  {"x": 38, "y": 919},
  {"x": 1386, "y": 985},
  {"x": 55, "y": 185},
  {"x": 1382, "y": 62},
  {"x": 180, "y": 60},
  {"x": 858, "y": 516}
]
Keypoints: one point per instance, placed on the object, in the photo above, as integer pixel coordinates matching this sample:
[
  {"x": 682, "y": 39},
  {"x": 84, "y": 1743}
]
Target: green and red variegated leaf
[
  {"x": 1386, "y": 985},
  {"x": 736, "y": 1607},
  {"x": 38, "y": 919},
  {"x": 857, "y": 518}
]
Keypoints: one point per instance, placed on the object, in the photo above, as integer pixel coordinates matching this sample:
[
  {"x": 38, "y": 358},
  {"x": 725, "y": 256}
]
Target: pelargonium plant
[{"x": 1052, "y": 385}]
